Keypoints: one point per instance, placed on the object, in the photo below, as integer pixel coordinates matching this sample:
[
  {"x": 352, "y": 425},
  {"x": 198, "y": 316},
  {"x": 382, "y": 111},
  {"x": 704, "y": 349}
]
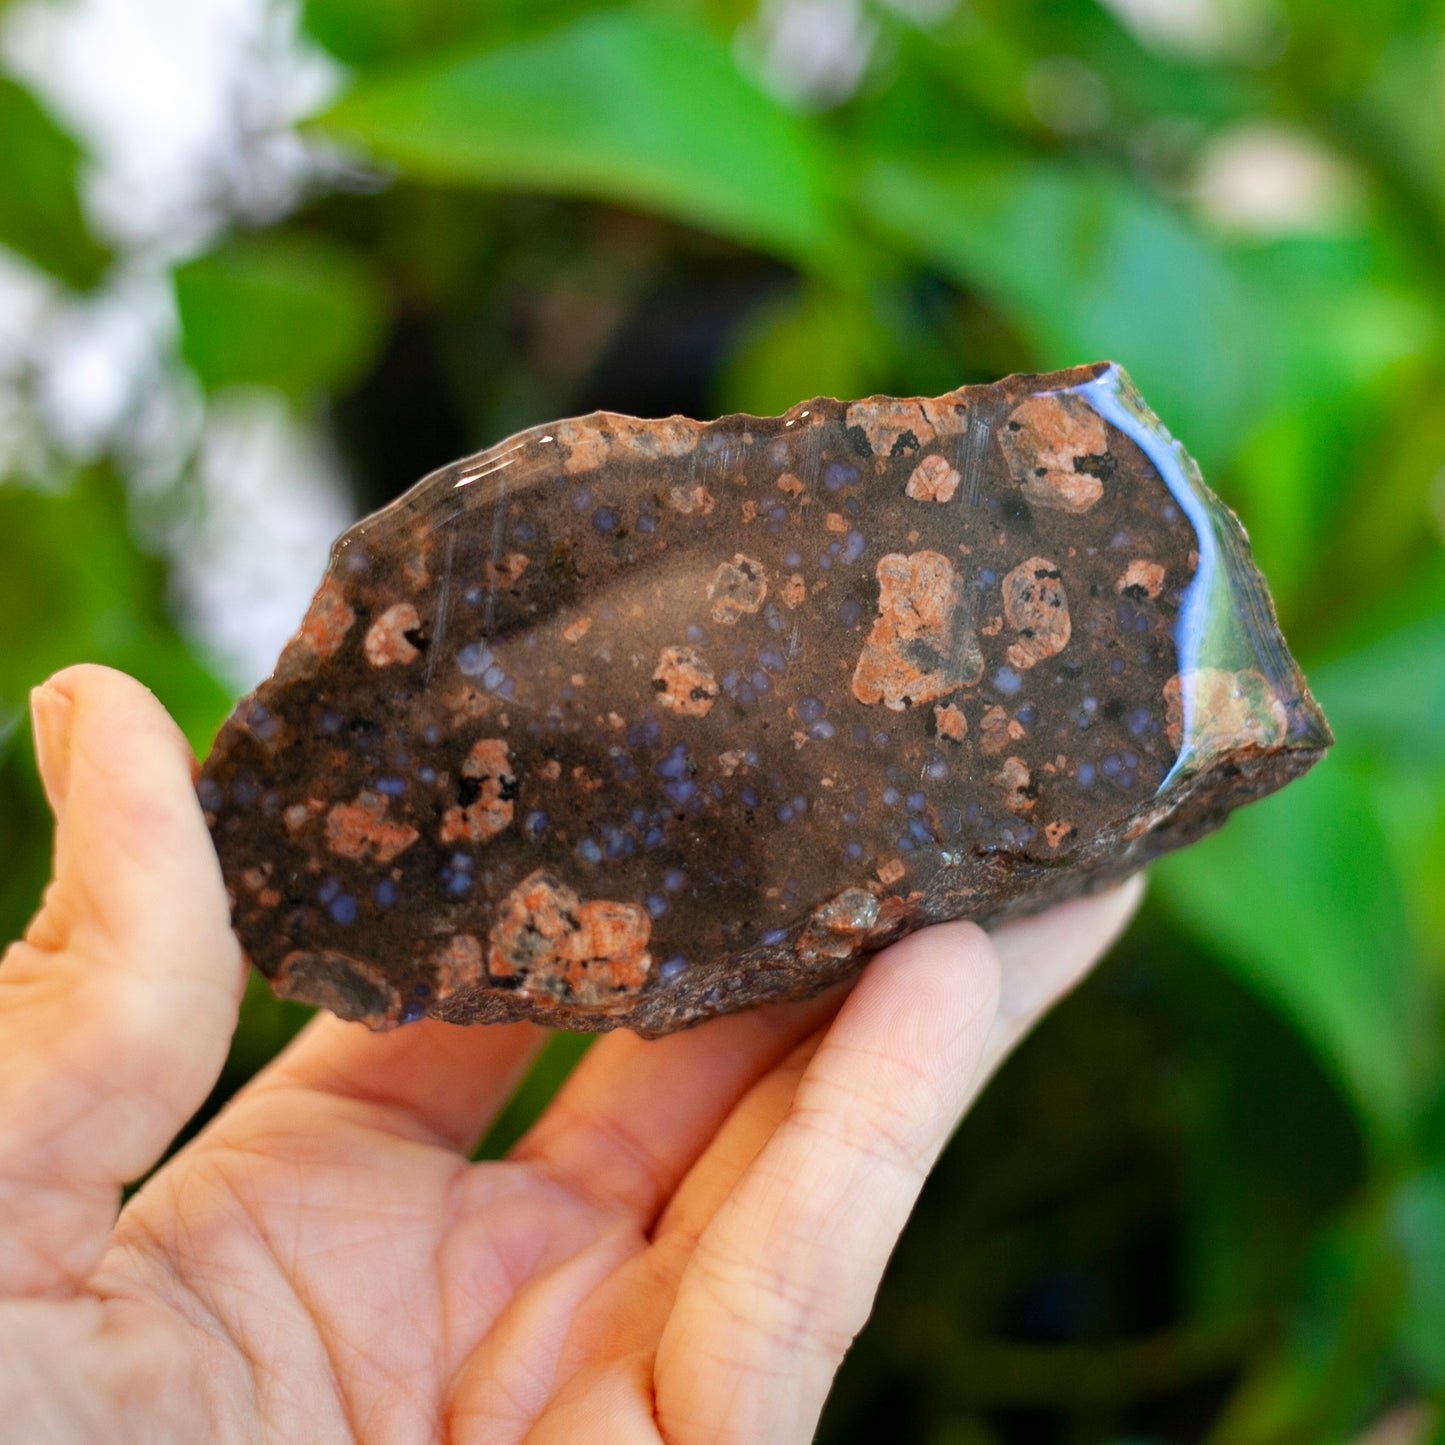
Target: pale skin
[{"x": 681, "y": 1250}]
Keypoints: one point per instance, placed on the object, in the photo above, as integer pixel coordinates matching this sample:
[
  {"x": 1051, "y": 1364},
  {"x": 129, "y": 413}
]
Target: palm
[
  {"x": 681, "y": 1249},
  {"x": 397, "y": 1292}
]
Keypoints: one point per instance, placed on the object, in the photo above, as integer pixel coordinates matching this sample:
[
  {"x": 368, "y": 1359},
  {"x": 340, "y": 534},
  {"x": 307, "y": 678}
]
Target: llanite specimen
[{"x": 637, "y": 722}]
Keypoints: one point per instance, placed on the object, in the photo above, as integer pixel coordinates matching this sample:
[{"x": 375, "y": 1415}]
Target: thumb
[{"x": 117, "y": 1008}]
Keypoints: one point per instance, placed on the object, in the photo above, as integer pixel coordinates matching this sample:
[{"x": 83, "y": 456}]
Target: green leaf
[
  {"x": 74, "y": 587},
  {"x": 1335, "y": 368},
  {"x": 1089, "y": 267},
  {"x": 374, "y": 32},
  {"x": 1389, "y": 697},
  {"x": 625, "y": 107},
  {"x": 1298, "y": 896},
  {"x": 293, "y": 312},
  {"x": 364, "y": 32},
  {"x": 40, "y": 214}
]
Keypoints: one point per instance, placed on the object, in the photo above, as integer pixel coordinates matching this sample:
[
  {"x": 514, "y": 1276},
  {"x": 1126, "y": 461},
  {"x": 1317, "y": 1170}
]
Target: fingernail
[{"x": 50, "y": 715}]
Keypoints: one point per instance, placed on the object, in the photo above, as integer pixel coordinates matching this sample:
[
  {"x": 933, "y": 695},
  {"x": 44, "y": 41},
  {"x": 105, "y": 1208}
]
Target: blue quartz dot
[
  {"x": 680, "y": 790},
  {"x": 748, "y": 796},
  {"x": 1113, "y": 765},
  {"x": 647, "y": 525},
  {"x": 672, "y": 968},
  {"x": 822, "y": 731},
  {"x": 392, "y": 787},
  {"x": 774, "y": 936},
  {"x": 892, "y": 797},
  {"x": 581, "y": 500},
  {"x": 385, "y": 892},
  {"x": 343, "y": 908},
  {"x": 917, "y": 802},
  {"x": 1007, "y": 681},
  {"x": 261, "y": 723},
  {"x": 589, "y": 851},
  {"x": 1085, "y": 775},
  {"x": 809, "y": 709},
  {"x": 674, "y": 880},
  {"x": 535, "y": 822},
  {"x": 210, "y": 794},
  {"x": 656, "y": 904},
  {"x": 853, "y": 852},
  {"x": 673, "y": 763},
  {"x": 474, "y": 659},
  {"x": 854, "y": 550},
  {"x": 604, "y": 519},
  {"x": 696, "y": 635},
  {"x": 414, "y": 1010},
  {"x": 460, "y": 883}
]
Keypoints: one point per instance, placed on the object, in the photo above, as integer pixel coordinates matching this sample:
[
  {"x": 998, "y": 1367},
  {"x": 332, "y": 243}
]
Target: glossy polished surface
[{"x": 628, "y": 722}]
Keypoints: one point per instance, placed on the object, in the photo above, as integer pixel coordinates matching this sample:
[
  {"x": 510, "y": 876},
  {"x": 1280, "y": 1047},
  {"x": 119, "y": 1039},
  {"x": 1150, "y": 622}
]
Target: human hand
[{"x": 681, "y": 1249}]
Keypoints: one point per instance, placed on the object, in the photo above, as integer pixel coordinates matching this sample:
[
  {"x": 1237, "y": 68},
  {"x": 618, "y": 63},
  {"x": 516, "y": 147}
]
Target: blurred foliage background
[{"x": 1207, "y": 1201}]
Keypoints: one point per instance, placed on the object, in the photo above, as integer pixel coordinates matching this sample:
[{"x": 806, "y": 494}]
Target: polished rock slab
[{"x": 635, "y": 723}]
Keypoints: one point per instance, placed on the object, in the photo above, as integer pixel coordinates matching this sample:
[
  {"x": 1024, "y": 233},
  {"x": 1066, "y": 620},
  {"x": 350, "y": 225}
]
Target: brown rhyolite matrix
[{"x": 638, "y": 722}]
